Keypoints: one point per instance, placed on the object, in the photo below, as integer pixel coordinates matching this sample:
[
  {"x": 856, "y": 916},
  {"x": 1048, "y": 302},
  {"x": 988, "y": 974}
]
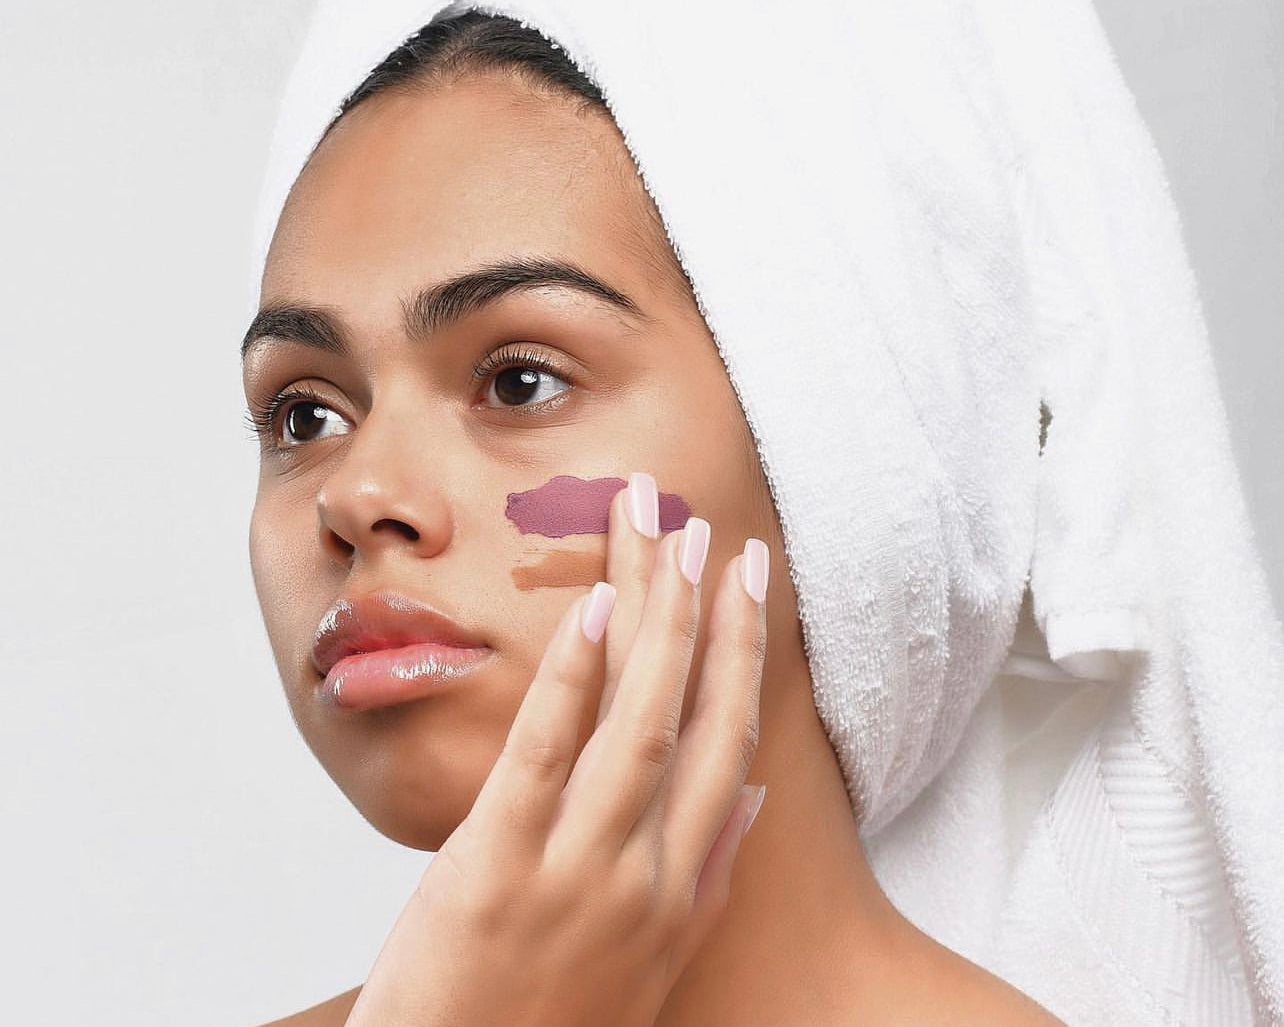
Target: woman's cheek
[{"x": 279, "y": 564}]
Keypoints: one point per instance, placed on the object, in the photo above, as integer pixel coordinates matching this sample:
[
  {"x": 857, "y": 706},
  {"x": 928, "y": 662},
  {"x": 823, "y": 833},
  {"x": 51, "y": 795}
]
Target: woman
[{"x": 474, "y": 328}]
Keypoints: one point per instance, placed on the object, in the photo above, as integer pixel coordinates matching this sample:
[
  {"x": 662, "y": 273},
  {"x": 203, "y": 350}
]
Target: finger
[
  {"x": 522, "y": 790},
  {"x": 713, "y": 887},
  {"x": 625, "y": 760},
  {"x": 720, "y": 739},
  {"x": 650, "y": 830},
  {"x": 632, "y": 539}
]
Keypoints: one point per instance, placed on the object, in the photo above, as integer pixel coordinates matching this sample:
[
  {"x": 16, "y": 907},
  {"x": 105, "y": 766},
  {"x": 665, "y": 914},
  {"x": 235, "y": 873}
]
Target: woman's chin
[
  {"x": 421, "y": 836},
  {"x": 413, "y": 771},
  {"x": 418, "y": 814},
  {"x": 416, "y": 827}
]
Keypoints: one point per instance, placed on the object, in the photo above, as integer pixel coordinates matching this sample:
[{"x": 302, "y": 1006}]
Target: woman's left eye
[{"x": 522, "y": 379}]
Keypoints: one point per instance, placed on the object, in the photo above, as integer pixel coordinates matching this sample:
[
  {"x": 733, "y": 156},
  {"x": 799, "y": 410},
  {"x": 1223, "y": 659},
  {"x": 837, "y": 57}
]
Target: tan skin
[{"x": 408, "y": 189}]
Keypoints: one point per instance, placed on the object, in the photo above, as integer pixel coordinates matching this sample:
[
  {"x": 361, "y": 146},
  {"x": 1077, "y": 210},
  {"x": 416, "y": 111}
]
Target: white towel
[{"x": 909, "y": 225}]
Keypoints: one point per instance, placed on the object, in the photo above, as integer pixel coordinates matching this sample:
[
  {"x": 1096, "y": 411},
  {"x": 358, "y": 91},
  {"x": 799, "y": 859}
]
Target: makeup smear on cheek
[
  {"x": 567, "y": 505},
  {"x": 561, "y": 568}
]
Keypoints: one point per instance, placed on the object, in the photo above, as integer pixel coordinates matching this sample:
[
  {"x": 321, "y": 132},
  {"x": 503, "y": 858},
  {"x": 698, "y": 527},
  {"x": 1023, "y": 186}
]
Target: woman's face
[{"x": 395, "y": 479}]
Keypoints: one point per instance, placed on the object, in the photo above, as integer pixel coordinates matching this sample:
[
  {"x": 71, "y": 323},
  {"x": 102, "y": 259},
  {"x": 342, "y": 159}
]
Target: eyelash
[
  {"x": 513, "y": 356},
  {"x": 261, "y": 419}
]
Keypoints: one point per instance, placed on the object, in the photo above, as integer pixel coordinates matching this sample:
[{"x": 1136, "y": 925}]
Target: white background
[{"x": 172, "y": 853}]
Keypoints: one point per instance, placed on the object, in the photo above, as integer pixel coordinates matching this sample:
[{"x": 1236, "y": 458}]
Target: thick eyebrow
[{"x": 438, "y": 305}]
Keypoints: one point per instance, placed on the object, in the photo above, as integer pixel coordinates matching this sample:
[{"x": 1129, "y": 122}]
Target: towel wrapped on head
[{"x": 936, "y": 249}]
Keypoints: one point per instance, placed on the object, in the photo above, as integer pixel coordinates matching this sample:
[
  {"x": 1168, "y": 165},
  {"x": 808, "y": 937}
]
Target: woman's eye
[
  {"x": 308, "y": 421},
  {"x": 523, "y": 386}
]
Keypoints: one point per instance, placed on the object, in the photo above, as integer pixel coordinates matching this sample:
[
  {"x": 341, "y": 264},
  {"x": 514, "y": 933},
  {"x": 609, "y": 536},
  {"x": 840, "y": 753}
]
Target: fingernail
[
  {"x": 597, "y": 610},
  {"x": 695, "y": 547},
  {"x": 754, "y": 807},
  {"x": 644, "y": 504},
  {"x": 753, "y": 569}
]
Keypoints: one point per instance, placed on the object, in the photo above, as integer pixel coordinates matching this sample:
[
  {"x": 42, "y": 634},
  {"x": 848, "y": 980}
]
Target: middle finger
[{"x": 632, "y": 538}]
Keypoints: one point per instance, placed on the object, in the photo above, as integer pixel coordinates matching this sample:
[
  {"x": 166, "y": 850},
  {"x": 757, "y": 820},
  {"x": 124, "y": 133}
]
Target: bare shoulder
[
  {"x": 930, "y": 983},
  {"x": 330, "y": 1013},
  {"x": 972, "y": 995}
]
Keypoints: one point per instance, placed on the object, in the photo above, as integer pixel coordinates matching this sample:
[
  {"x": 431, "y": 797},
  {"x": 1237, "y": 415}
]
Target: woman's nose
[{"x": 381, "y": 498}]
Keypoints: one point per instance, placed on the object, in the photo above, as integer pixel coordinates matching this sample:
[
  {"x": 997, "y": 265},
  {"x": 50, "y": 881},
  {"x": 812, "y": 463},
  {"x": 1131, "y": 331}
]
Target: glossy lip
[
  {"x": 390, "y": 648},
  {"x": 386, "y": 677}
]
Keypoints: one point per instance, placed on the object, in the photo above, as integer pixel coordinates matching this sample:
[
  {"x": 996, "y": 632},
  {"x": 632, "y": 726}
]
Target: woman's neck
[
  {"x": 806, "y": 920},
  {"x": 808, "y": 936}
]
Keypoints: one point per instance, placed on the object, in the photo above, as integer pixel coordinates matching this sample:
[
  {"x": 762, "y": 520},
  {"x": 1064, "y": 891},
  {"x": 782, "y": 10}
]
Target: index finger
[{"x": 521, "y": 792}]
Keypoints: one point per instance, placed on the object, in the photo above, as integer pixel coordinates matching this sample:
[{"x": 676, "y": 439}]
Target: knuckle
[
  {"x": 675, "y": 909},
  {"x": 637, "y": 573},
  {"x": 489, "y": 908},
  {"x": 637, "y": 899},
  {"x": 543, "y": 761},
  {"x": 747, "y": 742},
  {"x": 746, "y": 644},
  {"x": 737, "y": 736},
  {"x": 686, "y": 626},
  {"x": 679, "y": 613},
  {"x": 655, "y": 744},
  {"x": 755, "y": 645},
  {"x": 635, "y": 910},
  {"x": 563, "y": 884}
]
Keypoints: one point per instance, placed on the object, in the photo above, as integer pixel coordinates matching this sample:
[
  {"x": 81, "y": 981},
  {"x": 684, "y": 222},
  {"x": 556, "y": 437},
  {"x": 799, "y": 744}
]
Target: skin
[{"x": 414, "y": 186}]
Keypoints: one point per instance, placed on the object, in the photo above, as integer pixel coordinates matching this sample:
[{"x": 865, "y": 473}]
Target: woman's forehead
[{"x": 420, "y": 182}]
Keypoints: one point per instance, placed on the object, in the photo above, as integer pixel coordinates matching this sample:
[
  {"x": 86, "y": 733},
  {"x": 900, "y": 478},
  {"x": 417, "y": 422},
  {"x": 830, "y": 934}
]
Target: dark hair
[{"x": 475, "y": 41}]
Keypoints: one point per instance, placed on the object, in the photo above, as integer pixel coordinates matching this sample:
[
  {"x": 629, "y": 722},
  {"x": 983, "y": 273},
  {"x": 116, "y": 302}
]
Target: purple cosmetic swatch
[{"x": 567, "y": 505}]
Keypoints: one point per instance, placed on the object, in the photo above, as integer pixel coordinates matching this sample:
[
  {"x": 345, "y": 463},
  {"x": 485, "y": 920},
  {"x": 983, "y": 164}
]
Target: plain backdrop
[{"x": 172, "y": 853}]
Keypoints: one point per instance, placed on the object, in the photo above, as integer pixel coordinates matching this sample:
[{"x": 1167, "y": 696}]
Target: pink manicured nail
[
  {"x": 695, "y": 547},
  {"x": 754, "y": 807},
  {"x": 753, "y": 569},
  {"x": 597, "y": 610},
  {"x": 644, "y": 504}
]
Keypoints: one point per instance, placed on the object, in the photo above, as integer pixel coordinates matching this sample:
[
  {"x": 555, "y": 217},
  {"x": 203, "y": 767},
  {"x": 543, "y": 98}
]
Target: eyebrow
[{"x": 436, "y": 306}]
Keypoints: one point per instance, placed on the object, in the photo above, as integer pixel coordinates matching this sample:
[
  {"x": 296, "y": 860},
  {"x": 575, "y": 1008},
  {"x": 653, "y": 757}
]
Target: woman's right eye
[
  {"x": 303, "y": 416},
  {"x": 306, "y": 421}
]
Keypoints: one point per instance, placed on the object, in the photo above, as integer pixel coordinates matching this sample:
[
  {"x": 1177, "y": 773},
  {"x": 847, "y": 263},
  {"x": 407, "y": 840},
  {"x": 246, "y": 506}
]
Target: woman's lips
[{"x": 384, "y": 677}]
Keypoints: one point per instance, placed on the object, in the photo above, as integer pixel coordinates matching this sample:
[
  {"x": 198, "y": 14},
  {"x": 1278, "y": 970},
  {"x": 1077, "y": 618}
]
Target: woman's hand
[{"x": 577, "y": 890}]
